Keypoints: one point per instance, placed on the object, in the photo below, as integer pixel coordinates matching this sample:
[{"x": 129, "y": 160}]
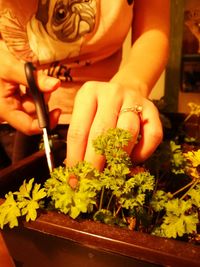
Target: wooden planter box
[{"x": 55, "y": 239}]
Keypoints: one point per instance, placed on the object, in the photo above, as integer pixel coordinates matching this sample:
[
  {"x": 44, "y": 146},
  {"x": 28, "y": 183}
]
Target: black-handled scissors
[{"x": 41, "y": 110}]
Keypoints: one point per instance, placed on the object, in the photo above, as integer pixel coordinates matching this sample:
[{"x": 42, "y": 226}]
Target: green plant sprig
[
  {"x": 117, "y": 195},
  {"x": 24, "y": 202}
]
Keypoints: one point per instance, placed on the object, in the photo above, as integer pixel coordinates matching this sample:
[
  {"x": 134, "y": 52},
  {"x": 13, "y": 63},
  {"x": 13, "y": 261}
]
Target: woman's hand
[
  {"x": 98, "y": 105},
  {"x": 16, "y": 105},
  {"x": 97, "y": 108}
]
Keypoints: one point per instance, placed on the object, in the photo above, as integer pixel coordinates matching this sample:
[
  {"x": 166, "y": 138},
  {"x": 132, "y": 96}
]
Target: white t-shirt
[{"x": 73, "y": 40}]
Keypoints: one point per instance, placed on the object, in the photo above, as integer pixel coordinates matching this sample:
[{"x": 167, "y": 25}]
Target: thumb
[
  {"x": 12, "y": 70},
  {"x": 46, "y": 83}
]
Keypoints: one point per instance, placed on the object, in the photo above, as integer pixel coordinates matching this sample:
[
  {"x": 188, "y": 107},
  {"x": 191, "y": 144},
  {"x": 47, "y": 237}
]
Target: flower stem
[
  {"x": 109, "y": 202},
  {"x": 118, "y": 210},
  {"x": 193, "y": 185},
  {"x": 183, "y": 188},
  {"x": 101, "y": 198}
]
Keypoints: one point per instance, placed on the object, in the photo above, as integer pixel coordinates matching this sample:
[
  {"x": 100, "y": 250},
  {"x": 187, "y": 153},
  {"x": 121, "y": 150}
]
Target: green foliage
[
  {"x": 125, "y": 191},
  {"x": 177, "y": 158},
  {"x": 53, "y": 139},
  {"x": 159, "y": 200},
  {"x": 194, "y": 194},
  {"x": 162, "y": 197},
  {"x": 9, "y": 212},
  {"x": 25, "y": 202},
  {"x": 135, "y": 189},
  {"x": 70, "y": 200},
  {"x": 105, "y": 216},
  {"x": 179, "y": 219},
  {"x": 113, "y": 139}
]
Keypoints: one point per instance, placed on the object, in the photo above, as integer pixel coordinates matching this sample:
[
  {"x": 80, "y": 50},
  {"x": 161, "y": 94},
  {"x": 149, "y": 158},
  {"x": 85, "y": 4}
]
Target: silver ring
[{"x": 136, "y": 109}]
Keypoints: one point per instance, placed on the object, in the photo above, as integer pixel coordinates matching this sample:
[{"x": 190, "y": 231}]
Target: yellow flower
[
  {"x": 193, "y": 157},
  {"x": 193, "y": 173},
  {"x": 194, "y": 109}
]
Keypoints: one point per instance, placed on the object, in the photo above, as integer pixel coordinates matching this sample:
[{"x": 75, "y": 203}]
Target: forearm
[
  {"x": 149, "y": 52},
  {"x": 143, "y": 69}
]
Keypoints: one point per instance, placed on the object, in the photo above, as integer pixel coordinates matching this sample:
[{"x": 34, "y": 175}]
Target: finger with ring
[{"x": 136, "y": 109}]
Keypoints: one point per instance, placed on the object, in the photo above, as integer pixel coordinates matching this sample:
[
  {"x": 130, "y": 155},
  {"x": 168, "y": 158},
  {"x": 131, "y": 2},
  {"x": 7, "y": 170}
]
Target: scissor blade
[
  {"x": 47, "y": 150},
  {"x": 41, "y": 110}
]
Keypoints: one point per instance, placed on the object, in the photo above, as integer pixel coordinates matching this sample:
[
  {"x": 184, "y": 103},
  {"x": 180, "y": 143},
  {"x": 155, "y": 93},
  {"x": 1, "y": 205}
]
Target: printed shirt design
[
  {"x": 53, "y": 33},
  {"x": 48, "y": 31},
  {"x": 73, "y": 40}
]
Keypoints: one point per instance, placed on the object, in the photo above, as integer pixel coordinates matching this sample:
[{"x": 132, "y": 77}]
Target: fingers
[
  {"x": 23, "y": 122},
  {"x": 151, "y": 133},
  {"x": 54, "y": 117},
  {"x": 77, "y": 136},
  {"x": 27, "y": 104},
  {"x": 19, "y": 106},
  {"x": 95, "y": 111},
  {"x": 129, "y": 121},
  {"x": 82, "y": 117},
  {"x": 96, "y": 114},
  {"x": 28, "y": 124},
  {"x": 19, "y": 110},
  {"x": 46, "y": 83},
  {"x": 12, "y": 70},
  {"x": 105, "y": 118}
]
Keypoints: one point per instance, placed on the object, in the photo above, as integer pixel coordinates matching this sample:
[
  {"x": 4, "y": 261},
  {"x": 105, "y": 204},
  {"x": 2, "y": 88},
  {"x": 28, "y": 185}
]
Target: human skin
[
  {"x": 98, "y": 104},
  {"x": 130, "y": 85},
  {"x": 16, "y": 109}
]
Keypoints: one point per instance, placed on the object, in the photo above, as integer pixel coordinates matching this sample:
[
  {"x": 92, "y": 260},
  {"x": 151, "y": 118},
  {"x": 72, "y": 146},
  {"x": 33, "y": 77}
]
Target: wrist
[{"x": 133, "y": 84}]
